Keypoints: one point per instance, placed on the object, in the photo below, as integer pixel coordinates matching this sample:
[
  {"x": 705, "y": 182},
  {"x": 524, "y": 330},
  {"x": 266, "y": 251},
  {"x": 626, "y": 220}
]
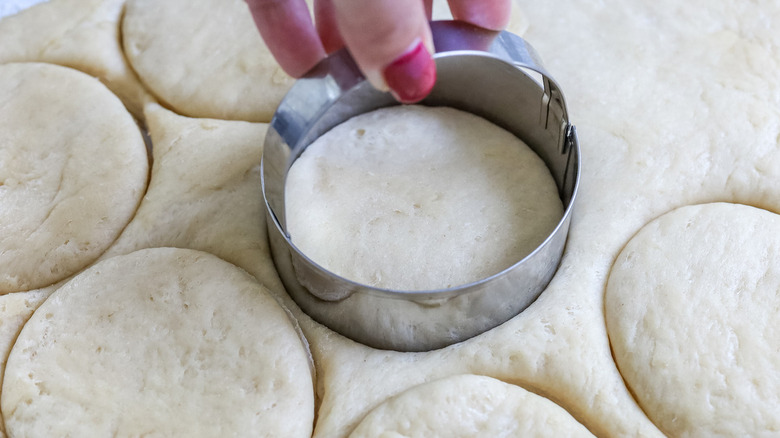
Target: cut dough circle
[
  {"x": 73, "y": 168},
  {"x": 170, "y": 342},
  {"x": 15, "y": 310},
  {"x": 692, "y": 307},
  {"x": 204, "y": 58},
  {"x": 468, "y": 406},
  {"x": 419, "y": 198},
  {"x": 80, "y": 34}
]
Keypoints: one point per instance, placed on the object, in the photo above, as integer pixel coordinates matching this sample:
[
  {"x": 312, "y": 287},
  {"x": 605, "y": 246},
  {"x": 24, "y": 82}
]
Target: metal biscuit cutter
[{"x": 495, "y": 75}]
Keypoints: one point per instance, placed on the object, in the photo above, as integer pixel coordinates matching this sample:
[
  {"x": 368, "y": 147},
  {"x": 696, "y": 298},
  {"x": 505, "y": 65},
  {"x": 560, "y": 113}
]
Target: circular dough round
[
  {"x": 692, "y": 309},
  {"x": 73, "y": 168},
  {"x": 204, "y": 58},
  {"x": 419, "y": 198},
  {"x": 170, "y": 342},
  {"x": 468, "y": 406}
]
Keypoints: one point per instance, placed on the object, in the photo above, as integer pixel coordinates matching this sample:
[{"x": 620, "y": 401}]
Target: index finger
[{"x": 288, "y": 31}]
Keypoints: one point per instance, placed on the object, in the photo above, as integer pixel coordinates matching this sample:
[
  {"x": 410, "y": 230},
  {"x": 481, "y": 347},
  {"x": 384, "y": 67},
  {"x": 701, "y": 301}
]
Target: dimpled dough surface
[
  {"x": 692, "y": 311},
  {"x": 468, "y": 406},
  {"x": 676, "y": 103},
  {"x": 204, "y": 192},
  {"x": 15, "y": 310},
  {"x": 419, "y": 198},
  {"x": 73, "y": 167},
  {"x": 164, "y": 342},
  {"x": 204, "y": 58},
  {"x": 81, "y": 34}
]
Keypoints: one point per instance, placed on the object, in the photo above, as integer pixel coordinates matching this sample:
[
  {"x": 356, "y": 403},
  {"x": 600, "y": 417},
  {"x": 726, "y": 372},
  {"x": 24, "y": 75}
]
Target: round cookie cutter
[{"x": 496, "y": 75}]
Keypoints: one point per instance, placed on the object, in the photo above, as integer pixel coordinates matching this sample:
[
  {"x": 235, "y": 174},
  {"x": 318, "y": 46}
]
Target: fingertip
[
  {"x": 289, "y": 34},
  {"x": 411, "y": 76},
  {"x": 391, "y": 42},
  {"x": 327, "y": 28},
  {"x": 488, "y": 14}
]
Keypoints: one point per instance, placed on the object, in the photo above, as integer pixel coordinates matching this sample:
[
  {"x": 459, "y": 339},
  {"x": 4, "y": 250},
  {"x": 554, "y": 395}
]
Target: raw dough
[
  {"x": 163, "y": 341},
  {"x": 692, "y": 307},
  {"x": 204, "y": 192},
  {"x": 675, "y": 103},
  {"x": 15, "y": 310},
  {"x": 468, "y": 406},
  {"x": 204, "y": 58},
  {"x": 73, "y": 167},
  {"x": 419, "y": 198},
  {"x": 81, "y": 34}
]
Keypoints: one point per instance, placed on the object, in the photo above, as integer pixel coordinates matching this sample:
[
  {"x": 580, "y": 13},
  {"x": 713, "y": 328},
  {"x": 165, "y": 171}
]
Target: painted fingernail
[{"x": 412, "y": 75}]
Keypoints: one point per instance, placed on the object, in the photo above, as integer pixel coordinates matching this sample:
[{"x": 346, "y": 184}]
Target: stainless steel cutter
[{"x": 495, "y": 75}]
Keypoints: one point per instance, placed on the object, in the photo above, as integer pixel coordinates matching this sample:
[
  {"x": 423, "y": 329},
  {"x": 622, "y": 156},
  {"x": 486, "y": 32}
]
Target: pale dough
[
  {"x": 204, "y": 192},
  {"x": 419, "y": 198},
  {"x": 73, "y": 167},
  {"x": 692, "y": 307},
  {"x": 468, "y": 406},
  {"x": 163, "y": 341},
  {"x": 15, "y": 310},
  {"x": 81, "y": 34},
  {"x": 675, "y": 103},
  {"x": 204, "y": 58}
]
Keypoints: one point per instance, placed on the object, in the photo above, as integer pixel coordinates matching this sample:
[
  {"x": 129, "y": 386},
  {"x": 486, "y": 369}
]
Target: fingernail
[{"x": 412, "y": 75}]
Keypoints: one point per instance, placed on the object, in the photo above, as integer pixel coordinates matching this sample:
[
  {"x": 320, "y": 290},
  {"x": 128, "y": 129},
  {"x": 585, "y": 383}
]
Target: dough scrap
[
  {"x": 419, "y": 198},
  {"x": 81, "y": 34},
  {"x": 204, "y": 192},
  {"x": 692, "y": 306},
  {"x": 64, "y": 138},
  {"x": 204, "y": 58},
  {"x": 468, "y": 406},
  {"x": 162, "y": 341}
]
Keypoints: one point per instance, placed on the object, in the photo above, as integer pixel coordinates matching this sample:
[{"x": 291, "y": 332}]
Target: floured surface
[
  {"x": 73, "y": 168},
  {"x": 419, "y": 198},
  {"x": 692, "y": 307},
  {"x": 204, "y": 58},
  {"x": 81, "y": 34},
  {"x": 161, "y": 341},
  {"x": 468, "y": 406}
]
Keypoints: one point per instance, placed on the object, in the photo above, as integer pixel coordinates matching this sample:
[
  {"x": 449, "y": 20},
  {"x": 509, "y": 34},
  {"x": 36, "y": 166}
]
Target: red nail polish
[{"x": 412, "y": 75}]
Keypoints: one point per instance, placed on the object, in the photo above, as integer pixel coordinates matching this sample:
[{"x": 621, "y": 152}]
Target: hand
[{"x": 389, "y": 39}]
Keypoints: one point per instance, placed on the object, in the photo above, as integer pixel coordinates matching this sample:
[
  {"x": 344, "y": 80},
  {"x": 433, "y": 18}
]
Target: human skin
[{"x": 389, "y": 39}]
